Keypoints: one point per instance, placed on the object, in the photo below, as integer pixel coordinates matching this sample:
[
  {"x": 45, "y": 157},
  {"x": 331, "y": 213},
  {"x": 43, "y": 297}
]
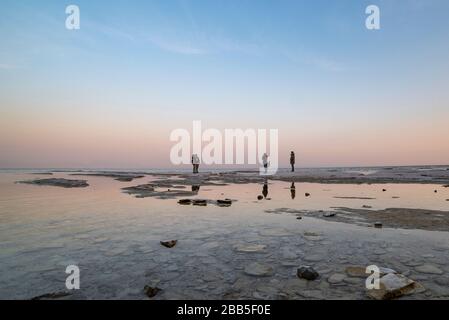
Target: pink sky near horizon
[{"x": 109, "y": 142}]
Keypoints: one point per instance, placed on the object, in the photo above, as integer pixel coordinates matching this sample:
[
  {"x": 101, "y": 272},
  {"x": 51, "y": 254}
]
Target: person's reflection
[
  {"x": 195, "y": 188},
  {"x": 265, "y": 189},
  {"x": 293, "y": 190}
]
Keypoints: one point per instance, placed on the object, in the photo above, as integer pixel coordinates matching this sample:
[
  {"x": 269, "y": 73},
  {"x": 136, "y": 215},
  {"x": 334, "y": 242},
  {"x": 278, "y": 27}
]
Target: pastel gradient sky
[{"x": 108, "y": 95}]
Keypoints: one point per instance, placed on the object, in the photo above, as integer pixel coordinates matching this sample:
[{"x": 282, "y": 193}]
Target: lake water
[{"x": 114, "y": 238}]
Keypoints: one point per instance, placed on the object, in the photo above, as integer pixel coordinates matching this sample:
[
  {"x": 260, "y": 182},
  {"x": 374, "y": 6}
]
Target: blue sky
[{"x": 293, "y": 65}]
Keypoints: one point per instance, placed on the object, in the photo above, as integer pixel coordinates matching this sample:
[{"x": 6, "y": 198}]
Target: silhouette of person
[
  {"x": 265, "y": 189},
  {"x": 293, "y": 190},
  {"x": 292, "y": 160}
]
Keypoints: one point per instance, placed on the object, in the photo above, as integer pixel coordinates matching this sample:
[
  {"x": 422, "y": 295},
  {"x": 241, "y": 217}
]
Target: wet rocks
[
  {"x": 307, "y": 272},
  {"x": 257, "y": 269},
  {"x": 199, "y": 202},
  {"x": 393, "y": 286},
  {"x": 224, "y": 203},
  {"x": 58, "y": 182},
  {"x": 169, "y": 244},
  {"x": 259, "y": 197},
  {"x": 185, "y": 201},
  {"x": 429, "y": 269},
  {"x": 307, "y": 194},
  {"x": 378, "y": 225},
  {"x": 151, "y": 291}
]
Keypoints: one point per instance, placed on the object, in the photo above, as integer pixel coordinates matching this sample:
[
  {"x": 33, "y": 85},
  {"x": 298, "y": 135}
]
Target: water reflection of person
[
  {"x": 265, "y": 189},
  {"x": 195, "y": 188},
  {"x": 293, "y": 190}
]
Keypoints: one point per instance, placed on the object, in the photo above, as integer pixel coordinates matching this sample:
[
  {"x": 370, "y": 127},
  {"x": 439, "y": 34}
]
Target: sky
[{"x": 109, "y": 94}]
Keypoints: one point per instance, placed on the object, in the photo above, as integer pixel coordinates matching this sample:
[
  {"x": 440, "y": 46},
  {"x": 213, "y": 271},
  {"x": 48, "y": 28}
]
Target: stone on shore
[{"x": 393, "y": 286}]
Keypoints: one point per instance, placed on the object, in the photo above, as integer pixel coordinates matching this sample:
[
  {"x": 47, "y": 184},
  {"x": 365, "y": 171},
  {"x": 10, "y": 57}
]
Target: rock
[
  {"x": 360, "y": 271},
  {"x": 384, "y": 190},
  {"x": 58, "y": 182},
  {"x": 336, "y": 278},
  {"x": 435, "y": 191},
  {"x": 314, "y": 258},
  {"x": 298, "y": 218},
  {"x": 446, "y": 186},
  {"x": 378, "y": 225},
  {"x": 224, "y": 203},
  {"x": 259, "y": 197},
  {"x": 307, "y": 194},
  {"x": 199, "y": 202},
  {"x": 393, "y": 286},
  {"x": 307, "y": 272},
  {"x": 151, "y": 291},
  {"x": 329, "y": 214},
  {"x": 53, "y": 295},
  {"x": 366, "y": 207},
  {"x": 185, "y": 201},
  {"x": 257, "y": 269},
  {"x": 169, "y": 244},
  {"x": 428, "y": 268},
  {"x": 250, "y": 248}
]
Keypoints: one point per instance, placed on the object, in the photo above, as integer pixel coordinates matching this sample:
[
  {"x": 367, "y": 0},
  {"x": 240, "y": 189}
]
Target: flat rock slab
[
  {"x": 428, "y": 268},
  {"x": 275, "y": 233},
  {"x": 336, "y": 278},
  {"x": 257, "y": 269},
  {"x": 250, "y": 248},
  {"x": 393, "y": 286},
  {"x": 58, "y": 182}
]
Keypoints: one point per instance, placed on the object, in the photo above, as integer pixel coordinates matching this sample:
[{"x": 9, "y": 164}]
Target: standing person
[
  {"x": 265, "y": 161},
  {"x": 292, "y": 160},
  {"x": 195, "y": 162}
]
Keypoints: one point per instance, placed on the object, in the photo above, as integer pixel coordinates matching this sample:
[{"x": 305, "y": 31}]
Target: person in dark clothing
[{"x": 292, "y": 160}]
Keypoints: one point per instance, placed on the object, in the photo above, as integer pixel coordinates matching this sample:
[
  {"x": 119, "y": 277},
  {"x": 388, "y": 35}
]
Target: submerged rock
[
  {"x": 58, "y": 182},
  {"x": 52, "y": 295},
  {"x": 307, "y": 272},
  {"x": 360, "y": 271},
  {"x": 169, "y": 244},
  {"x": 257, "y": 269},
  {"x": 250, "y": 248},
  {"x": 151, "y": 291},
  {"x": 336, "y": 278},
  {"x": 429, "y": 269}
]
